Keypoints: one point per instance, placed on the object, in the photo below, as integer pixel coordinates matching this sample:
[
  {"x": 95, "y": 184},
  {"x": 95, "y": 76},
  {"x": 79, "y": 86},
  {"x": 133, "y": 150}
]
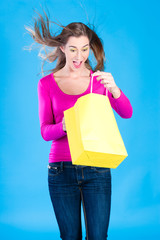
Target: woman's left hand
[{"x": 109, "y": 83}]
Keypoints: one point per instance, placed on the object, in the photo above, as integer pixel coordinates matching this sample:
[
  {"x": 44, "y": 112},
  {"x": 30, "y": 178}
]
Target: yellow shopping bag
[{"x": 93, "y": 135}]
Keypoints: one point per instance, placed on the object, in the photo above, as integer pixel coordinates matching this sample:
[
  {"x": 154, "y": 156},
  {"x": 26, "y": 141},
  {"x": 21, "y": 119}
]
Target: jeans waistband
[{"x": 65, "y": 164}]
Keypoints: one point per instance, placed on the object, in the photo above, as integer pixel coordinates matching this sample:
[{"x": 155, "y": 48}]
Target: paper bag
[{"x": 93, "y": 135}]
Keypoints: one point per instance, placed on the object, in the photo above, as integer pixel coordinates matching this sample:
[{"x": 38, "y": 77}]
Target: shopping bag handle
[{"x": 91, "y": 82}]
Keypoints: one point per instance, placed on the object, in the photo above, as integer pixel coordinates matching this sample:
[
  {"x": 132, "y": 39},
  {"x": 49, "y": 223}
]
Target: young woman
[{"x": 69, "y": 184}]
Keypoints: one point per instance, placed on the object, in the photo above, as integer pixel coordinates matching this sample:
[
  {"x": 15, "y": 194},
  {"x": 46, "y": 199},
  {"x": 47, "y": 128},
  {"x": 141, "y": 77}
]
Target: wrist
[
  {"x": 116, "y": 93},
  {"x": 64, "y": 129}
]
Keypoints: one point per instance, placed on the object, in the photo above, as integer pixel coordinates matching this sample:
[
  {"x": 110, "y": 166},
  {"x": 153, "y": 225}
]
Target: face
[{"x": 76, "y": 51}]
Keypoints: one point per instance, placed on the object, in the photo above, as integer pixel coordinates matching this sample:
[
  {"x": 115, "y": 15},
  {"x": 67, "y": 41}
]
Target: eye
[
  {"x": 72, "y": 50},
  {"x": 85, "y": 49}
]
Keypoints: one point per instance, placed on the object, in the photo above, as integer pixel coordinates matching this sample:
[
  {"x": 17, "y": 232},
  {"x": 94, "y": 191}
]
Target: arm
[
  {"x": 49, "y": 130},
  {"x": 121, "y": 105},
  {"x": 119, "y": 102}
]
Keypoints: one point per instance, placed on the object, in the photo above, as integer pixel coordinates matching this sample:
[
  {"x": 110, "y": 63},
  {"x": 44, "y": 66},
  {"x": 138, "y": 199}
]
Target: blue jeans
[{"x": 69, "y": 185}]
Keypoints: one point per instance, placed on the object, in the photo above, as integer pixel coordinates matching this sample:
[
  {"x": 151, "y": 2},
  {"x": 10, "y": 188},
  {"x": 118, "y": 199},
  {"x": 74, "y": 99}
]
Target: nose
[{"x": 78, "y": 55}]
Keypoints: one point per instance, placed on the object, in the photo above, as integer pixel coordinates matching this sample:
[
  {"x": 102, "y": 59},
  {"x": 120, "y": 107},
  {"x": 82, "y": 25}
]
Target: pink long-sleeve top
[{"x": 52, "y": 104}]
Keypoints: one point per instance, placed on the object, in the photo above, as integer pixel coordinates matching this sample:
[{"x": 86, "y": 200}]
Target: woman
[{"x": 69, "y": 184}]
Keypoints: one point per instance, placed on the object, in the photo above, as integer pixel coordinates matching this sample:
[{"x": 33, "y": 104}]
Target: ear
[{"x": 62, "y": 48}]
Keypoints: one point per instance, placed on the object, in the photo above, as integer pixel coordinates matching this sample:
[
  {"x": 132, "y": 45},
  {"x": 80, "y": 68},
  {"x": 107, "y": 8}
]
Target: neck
[{"x": 69, "y": 72}]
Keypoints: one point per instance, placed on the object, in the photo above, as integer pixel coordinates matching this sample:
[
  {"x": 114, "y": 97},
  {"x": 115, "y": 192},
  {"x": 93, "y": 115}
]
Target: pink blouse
[{"x": 53, "y": 102}]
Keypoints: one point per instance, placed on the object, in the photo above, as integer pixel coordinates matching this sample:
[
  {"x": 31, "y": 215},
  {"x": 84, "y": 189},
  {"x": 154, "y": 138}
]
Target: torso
[{"x": 72, "y": 86}]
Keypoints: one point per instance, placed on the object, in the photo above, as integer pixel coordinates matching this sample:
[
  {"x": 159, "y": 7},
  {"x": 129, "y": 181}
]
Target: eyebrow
[{"x": 82, "y": 47}]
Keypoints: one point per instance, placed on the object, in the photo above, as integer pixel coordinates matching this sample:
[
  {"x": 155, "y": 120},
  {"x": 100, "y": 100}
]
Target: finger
[
  {"x": 96, "y": 73},
  {"x": 108, "y": 77},
  {"x": 108, "y": 85},
  {"x": 104, "y": 81},
  {"x": 99, "y": 78},
  {"x": 102, "y": 77},
  {"x": 102, "y": 73}
]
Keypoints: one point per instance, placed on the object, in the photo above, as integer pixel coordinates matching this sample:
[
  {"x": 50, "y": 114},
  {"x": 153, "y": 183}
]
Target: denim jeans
[{"x": 69, "y": 185}]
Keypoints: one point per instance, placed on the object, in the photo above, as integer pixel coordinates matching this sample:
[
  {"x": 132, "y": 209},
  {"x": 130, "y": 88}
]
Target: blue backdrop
[{"x": 131, "y": 37}]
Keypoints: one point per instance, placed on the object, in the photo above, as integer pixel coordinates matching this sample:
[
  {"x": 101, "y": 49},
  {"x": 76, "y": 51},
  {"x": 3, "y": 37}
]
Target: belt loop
[{"x": 62, "y": 165}]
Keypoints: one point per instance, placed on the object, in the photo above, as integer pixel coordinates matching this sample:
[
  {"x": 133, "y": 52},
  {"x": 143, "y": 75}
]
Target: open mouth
[{"x": 77, "y": 64}]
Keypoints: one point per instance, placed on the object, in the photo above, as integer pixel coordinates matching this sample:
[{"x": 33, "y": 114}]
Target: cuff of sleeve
[
  {"x": 120, "y": 98},
  {"x": 121, "y": 105},
  {"x": 61, "y": 131}
]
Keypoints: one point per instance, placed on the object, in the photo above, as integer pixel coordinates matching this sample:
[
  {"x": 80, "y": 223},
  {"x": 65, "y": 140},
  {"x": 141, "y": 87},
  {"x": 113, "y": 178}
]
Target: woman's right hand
[{"x": 64, "y": 125}]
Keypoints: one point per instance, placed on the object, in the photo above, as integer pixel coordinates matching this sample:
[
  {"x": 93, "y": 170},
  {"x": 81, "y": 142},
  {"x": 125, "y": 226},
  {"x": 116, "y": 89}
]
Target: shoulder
[{"x": 45, "y": 81}]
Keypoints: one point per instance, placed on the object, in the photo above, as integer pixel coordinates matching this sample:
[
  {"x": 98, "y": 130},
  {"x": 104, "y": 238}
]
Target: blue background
[{"x": 131, "y": 37}]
